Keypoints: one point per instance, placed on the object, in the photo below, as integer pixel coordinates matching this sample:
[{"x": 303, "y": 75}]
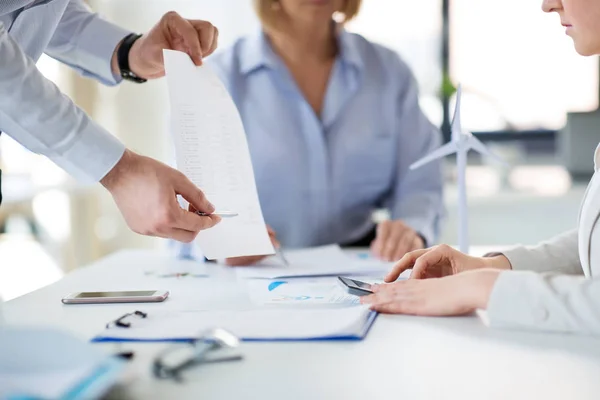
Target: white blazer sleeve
[
  {"x": 545, "y": 302},
  {"x": 559, "y": 254}
]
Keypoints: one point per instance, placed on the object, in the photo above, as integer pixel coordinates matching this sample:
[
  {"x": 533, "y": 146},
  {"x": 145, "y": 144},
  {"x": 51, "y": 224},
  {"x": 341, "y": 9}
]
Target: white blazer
[{"x": 555, "y": 286}]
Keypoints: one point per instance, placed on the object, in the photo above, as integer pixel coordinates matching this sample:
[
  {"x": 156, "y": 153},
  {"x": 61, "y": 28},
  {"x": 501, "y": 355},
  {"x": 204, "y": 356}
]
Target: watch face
[{"x": 130, "y": 76}]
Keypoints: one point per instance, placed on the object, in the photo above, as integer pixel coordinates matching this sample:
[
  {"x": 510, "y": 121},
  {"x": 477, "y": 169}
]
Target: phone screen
[
  {"x": 88, "y": 295},
  {"x": 356, "y": 284},
  {"x": 360, "y": 285}
]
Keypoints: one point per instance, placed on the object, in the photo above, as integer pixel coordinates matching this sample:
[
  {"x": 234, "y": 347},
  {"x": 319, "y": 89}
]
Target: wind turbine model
[{"x": 461, "y": 143}]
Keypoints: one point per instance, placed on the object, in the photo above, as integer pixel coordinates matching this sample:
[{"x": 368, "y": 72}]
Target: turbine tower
[{"x": 462, "y": 141}]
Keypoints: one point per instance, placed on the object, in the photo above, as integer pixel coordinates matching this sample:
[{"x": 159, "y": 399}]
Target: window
[
  {"x": 518, "y": 69},
  {"x": 413, "y": 30}
]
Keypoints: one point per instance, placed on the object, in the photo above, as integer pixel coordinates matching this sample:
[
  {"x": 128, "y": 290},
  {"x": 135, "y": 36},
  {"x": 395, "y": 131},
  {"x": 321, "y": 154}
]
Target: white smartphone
[{"x": 133, "y": 296}]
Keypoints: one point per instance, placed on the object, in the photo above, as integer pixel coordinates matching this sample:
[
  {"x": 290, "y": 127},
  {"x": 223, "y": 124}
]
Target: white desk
[{"x": 401, "y": 358}]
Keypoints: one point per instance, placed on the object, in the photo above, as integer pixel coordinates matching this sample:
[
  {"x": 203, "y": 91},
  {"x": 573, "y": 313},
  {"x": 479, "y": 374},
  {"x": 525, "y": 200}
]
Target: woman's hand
[
  {"x": 452, "y": 295},
  {"x": 251, "y": 260},
  {"x": 394, "y": 239},
  {"x": 442, "y": 260}
]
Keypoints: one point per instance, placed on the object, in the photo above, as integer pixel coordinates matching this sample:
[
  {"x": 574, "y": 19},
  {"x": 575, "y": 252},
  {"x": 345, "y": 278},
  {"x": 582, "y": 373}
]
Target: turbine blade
[
  {"x": 479, "y": 147},
  {"x": 456, "y": 124},
  {"x": 441, "y": 152}
]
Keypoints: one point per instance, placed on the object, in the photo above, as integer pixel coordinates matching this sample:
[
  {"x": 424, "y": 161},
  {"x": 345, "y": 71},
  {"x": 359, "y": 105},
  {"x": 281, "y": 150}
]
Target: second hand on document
[{"x": 231, "y": 214}]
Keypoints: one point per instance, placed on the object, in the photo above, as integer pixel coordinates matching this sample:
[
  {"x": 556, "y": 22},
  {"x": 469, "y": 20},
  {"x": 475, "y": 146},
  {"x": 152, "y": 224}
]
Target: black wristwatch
[{"x": 123, "y": 58}]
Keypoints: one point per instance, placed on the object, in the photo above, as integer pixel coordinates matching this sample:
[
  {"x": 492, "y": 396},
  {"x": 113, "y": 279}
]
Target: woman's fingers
[{"x": 405, "y": 263}]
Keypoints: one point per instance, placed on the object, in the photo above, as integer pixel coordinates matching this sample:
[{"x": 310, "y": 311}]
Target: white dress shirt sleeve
[
  {"x": 86, "y": 42},
  {"x": 34, "y": 112}
]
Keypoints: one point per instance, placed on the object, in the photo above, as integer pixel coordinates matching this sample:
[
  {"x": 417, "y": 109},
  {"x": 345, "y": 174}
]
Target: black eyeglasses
[
  {"x": 213, "y": 346},
  {"x": 121, "y": 323}
]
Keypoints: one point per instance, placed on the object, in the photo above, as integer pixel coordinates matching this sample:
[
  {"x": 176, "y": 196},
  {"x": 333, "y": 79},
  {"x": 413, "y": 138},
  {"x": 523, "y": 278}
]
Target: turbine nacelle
[{"x": 461, "y": 140}]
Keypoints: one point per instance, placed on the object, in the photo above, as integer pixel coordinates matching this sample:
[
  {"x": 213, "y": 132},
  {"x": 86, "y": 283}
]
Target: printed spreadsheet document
[{"x": 212, "y": 151}]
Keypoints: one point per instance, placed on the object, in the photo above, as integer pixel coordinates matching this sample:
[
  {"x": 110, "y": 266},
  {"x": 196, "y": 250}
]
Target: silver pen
[{"x": 222, "y": 214}]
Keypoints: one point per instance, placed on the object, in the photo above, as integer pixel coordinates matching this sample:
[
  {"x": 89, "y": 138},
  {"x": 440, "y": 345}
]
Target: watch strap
[{"x": 123, "y": 58}]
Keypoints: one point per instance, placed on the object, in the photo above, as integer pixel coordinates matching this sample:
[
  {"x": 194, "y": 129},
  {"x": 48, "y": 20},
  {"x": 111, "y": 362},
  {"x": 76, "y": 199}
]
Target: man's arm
[
  {"x": 34, "y": 112},
  {"x": 87, "y": 43}
]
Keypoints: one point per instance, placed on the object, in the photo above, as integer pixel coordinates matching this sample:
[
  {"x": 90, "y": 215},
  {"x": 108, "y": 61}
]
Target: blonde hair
[{"x": 265, "y": 9}]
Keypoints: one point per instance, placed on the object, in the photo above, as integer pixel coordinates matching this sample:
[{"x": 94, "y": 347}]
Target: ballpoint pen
[
  {"x": 222, "y": 214},
  {"x": 282, "y": 256}
]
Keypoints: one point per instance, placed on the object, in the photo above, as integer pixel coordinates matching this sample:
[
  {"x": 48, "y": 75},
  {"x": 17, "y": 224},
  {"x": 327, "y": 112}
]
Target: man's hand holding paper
[
  {"x": 212, "y": 151},
  {"x": 196, "y": 38},
  {"x": 156, "y": 211}
]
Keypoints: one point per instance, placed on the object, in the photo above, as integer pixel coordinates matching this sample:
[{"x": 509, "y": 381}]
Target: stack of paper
[
  {"x": 48, "y": 364},
  {"x": 212, "y": 151},
  {"x": 317, "y": 261},
  {"x": 350, "y": 323}
]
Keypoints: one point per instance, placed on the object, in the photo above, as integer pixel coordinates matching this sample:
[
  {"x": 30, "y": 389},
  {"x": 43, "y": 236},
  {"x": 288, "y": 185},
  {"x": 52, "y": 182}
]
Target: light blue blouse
[{"x": 319, "y": 179}]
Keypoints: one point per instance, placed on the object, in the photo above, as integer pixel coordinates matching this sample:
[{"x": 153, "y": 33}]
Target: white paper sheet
[
  {"x": 212, "y": 151},
  {"x": 319, "y": 292},
  {"x": 317, "y": 261},
  {"x": 249, "y": 324}
]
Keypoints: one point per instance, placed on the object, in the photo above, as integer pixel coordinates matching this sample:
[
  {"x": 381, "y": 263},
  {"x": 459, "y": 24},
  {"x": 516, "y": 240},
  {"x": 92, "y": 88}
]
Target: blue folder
[
  {"x": 359, "y": 334},
  {"x": 355, "y": 336}
]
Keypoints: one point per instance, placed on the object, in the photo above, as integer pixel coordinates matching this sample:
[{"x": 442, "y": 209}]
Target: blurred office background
[{"x": 526, "y": 93}]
